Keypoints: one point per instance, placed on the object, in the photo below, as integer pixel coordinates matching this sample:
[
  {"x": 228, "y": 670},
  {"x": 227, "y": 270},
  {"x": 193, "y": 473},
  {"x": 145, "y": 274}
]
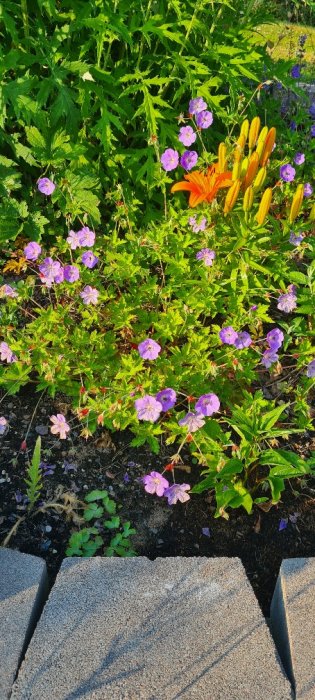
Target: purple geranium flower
[
  {"x": 89, "y": 259},
  {"x": 187, "y": 136},
  {"x": 308, "y": 190},
  {"x": 296, "y": 71},
  {"x": 71, "y": 273},
  {"x": 87, "y": 237},
  {"x": 148, "y": 408},
  {"x": 207, "y": 404},
  {"x": 45, "y": 186},
  {"x": 167, "y": 397},
  {"x": 149, "y": 349},
  {"x": 287, "y": 302},
  {"x": 206, "y": 255},
  {"x": 312, "y": 110},
  {"x": 287, "y": 172},
  {"x": 32, "y": 250},
  {"x": 243, "y": 340},
  {"x": 6, "y": 353},
  {"x": 169, "y": 159},
  {"x": 197, "y": 105},
  {"x": 204, "y": 119},
  {"x": 193, "y": 421},
  {"x": 74, "y": 239},
  {"x": 7, "y": 291},
  {"x": 89, "y": 295},
  {"x": 177, "y": 492},
  {"x": 275, "y": 339},
  {"x": 299, "y": 158},
  {"x": 49, "y": 270},
  {"x": 228, "y": 335},
  {"x": 155, "y": 483},
  {"x": 189, "y": 159},
  {"x": 296, "y": 239},
  {"x": 269, "y": 357},
  {"x": 197, "y": 227},
  {"x": 310, "y": 372}
]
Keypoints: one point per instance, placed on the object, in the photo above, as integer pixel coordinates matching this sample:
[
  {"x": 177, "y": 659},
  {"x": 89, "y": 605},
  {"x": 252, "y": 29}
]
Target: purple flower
[
  {"x": 197, "y": 105},
  {"x": 177, "y": 492},
  {"x": 296, "y": 71},
  {"x": 198, "y": 227},
  {"x": 204, "y": 119},
  {"x": 293, "y": 125},
  {"x": 59, "y": 426},
  {"x": 254, "y": 307},
  {"x": 149, "y": 349},
  {"x": 6, "y": 353},
  {"x": 287, "y": 302},
  {"x": 71, "y": 273},
  {"x": 74, "y": 239},
  {"x": 167, "y": 397},
  {"x": 312, "y": 132},
  {"x": 89, "y": 259},
  {"x": 69, "y": 467},
  {"x": 89, "y": 295},
  {"x": 302, "y": 40},
  {"x": 148, "y": 408},
  {"x": 243, "y": 340},
  {"x": 32, "y": 250},
  {"x": 47, "y": 469},
  {"x": 193, "y": 421},
  {"x": 155, "y": 483},
  {"x": 59, "y": 277},
  {"x": 312, "y": 110},
  {"x": 228, "y": 335},
  {"x": 187, "y": 135},
  {"x": 283, "y": 523},
  {"x": 269, "y": 357},
  {"x": 45, "y": 186},
  {"x": 49, "y": 270},
  {"x": 206, "y": 255},
  {"x": 287, "y": 172},
  {"x": 86, "y": 237},
  {"x": 275, "y": 339},
  {"x": 189, "y": 159},
  {"x": 4, "y": 426},
  {"x": 207, "y": 404},
  {"x": 308, "y": 190},
  {"x": 169, "y": 159},
  {"x": 310, "y": 371},
  {"x": 205, "y": 531},
  {"x": 126, "y": 478},
  {"x": 7, "y": 291},
  {"x": 299, "y": 158},
  {"x": 296, "y": 239}
]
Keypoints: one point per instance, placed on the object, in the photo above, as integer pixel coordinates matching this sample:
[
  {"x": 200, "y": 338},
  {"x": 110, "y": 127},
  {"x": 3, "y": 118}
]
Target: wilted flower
[
  {"x": 71, "y": 273},
  {"x": 177, "y": 492},
  {"x": 6, "y": 353},
  {"x": 204, "y": 119},
  {"x": 296, "y": 239},
  {"x": 89, "y": 295},
  {"x": 187, "y": 136},
  {"x": 287, "y": 302},
  {"x": 7, "y": 291},
  {"x": 228, "y": 335},
  {"x": 310, "y": 372},
  {"x": 275, "y": 339},
  {"x": 299, "y": 158},
  {"x": 89, "y": 259},
  {"x": 308, "y": 190},
  {"x": 169, "y": 159},
  {"x": 155, "y": 483},
  {"x": 193, "y": 421},
  {"x": 148, "y": 408},
  {"x": 32, "y": 250},
  {"x": 45, "y": 186},
  {"x": 60, "y": 426},
  {"x": 198, "y": 227},
  {"x": 4, "y": 425},
  {"x": 197, "y": 105},
  {"x": 269, "y": 357},
  {"x": 167, "y": 397},
  {"x": 87, "y": 237},
  {"x": 243, "y": 340},
  {"x": 189, "y": 159},
  {"x": 287, "y": 172},
  {"x": 149, "y": 349},
  {"x": 206, "y": 255},
  {"x": 207, "y": 404}
]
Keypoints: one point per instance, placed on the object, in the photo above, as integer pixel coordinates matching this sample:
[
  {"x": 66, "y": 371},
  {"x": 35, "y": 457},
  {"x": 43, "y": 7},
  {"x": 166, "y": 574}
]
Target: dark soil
[{"x": 106, "y": 461}]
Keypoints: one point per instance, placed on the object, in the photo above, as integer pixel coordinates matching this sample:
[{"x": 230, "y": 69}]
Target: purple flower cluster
[
  {"x": 51, "y": 271},
  {"x": 197, "y": 227},
  {"x": 85, "y": 238},
  {"x": 296, "y": 239},
  {"x": 150, "y": 407},
  {"x": 7, "y": 291},
  {"x": 229, "y": 336},
  {"x": 155, "y": 483},
  {"x": 274, "y": 340}
]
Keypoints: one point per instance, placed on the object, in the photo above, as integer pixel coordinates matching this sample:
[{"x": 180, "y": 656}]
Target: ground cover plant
[{"x": 158, "y": 268}]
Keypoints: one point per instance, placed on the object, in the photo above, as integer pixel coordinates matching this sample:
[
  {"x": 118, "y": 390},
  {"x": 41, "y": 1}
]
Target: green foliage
[
  {"x": 33, "y": 479},
  {"x": 89, "y": 540}
]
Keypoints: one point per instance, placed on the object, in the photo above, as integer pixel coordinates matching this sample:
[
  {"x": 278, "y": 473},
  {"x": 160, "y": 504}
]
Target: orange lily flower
[{"x": 203, "y": 188}]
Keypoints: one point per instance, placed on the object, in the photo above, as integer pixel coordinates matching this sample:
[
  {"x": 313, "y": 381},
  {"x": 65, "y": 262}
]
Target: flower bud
[
  {"x": 239, "y": 149},
  {"x": 236, "y": 171},
  {"x": 269, "y": 144},
  {"x": 231, "y": 196},
  {"x": 244, "y": 166},
  {"x": 245, "y": 128},
  {"x": 248, "y": 199},
  {"x": 264, "y": 206},
  {"x": 253, "y": 132},
  {"x": 312, "y": 213},
  {"x": 259, "y": 179},
  {"x": 251, "y": 170},
  {"x": 222, "y": 157},
  {"x": 296, "y": 203}
]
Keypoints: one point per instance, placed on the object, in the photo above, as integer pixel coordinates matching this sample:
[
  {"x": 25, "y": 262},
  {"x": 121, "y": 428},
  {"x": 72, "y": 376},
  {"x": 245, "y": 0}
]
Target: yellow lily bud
[
  {"x": 259, "y": 179},
  {"x": 253, "y": 132},
  {"x": 269, "y": 144},
  {"x": 239, "y": 148},
  {"x": 248, "y": 199},
  {"x": 222, "y": 157},
  {"x": 245, "y": 128},
  {"x": 262, "y": 136},
  {"x": 251, "y": 170},
  {"x": 236, "y": 171},
  {"x": 312, "y": 213},
  {"x": 264, "y": 206},
  {"x": 231, "y": 196},
  {"x": 296, "y": 203},
  {"x": 244, "y": 166}
]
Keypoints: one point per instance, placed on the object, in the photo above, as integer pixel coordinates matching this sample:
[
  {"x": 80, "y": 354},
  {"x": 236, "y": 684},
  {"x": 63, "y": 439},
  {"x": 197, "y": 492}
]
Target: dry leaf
[
  {"x": 266, "y": 507},
  {"x": 104, "y": 442},
  {"x": 15, "y": 266}
]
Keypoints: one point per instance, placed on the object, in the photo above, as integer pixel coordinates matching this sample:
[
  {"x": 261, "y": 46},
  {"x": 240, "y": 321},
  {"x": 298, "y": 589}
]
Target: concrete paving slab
[
  {"x": 293, "y": 623},
  {"x": 23, "y": 589},
  {"x": 134, "y": 629}
]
